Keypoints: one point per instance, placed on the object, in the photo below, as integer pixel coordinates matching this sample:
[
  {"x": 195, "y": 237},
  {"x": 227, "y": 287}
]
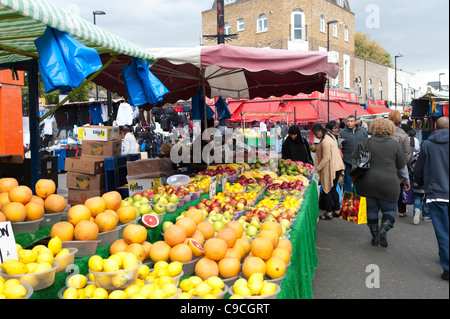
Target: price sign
[
  {"x": 8, "y": 248},
  {"x": 224, "y": 181},
  {"x": 213, "y": 187}
]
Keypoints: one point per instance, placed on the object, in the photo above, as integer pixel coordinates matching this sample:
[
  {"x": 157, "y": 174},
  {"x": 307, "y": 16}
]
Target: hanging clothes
[
  {"x": 95, "y": 111},
  {"x": 124, "y": 114}
]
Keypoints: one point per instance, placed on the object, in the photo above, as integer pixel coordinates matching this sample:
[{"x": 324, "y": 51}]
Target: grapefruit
[
  {"x": 282, "y": 253},
  {"x": 7, "y": 183},
  {"x": 137, "y": 250},
  {"x": 78, "y": 213},
  {"x": 20, "y": 194},
  {"x": 150, "y": 220},
  {"x": 112, "y": 199},
  {"x": 4, "y": 199},
  {"x": 181, "y": 253},
  {"x": 195, "y": 214},
  {"x": 245, "y": 243},
  {"x": 64, "y": 230},
  {"x": 286, "y": 244},
  {"x": 233, "y": 253},
  {"x": 206, "y": 268},
  {"x": 105, "y": 222},
  {"x": 237, "y": 227},
  {"x": 45, "y": 187},
  {"x": 229, "y": 267},
  {"x": 189, "y": 225},
  {"x": 253, "y": 265},
  {"x": 160, "y": 251},
  {"x": 38, "y": 200},
  {"x": 197, "y": 249},
  {"x": 174, "y": 235},
  {"x": 34, "y": 211},
  {"x": 276, "y": 267},
  {"x": 54, "y": 203},
  {"x": 2, "y": 217},
  {"x": 96, "y": 205},
  {"x": 15, "y": 212},
  {"x": 85, "y": 230},
  {"x": 272, "y": 226},
  {"x": 271, "y": 234},
  {"x": 261, "y": 247},
  {"x": 207, "y": 229},
  {"x": 147, "y": 245},
  {"x": 134, "y": 233},
  {"x": 215, "y": 248},
  {"x": 126, "y": 214},
  {"x": 227, "y": 234},
  {"x": 198, "y": 236},
  {"x": 118, "y": 246}
]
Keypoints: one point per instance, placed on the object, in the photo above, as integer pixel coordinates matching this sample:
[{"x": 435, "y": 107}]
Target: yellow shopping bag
[{"x": 354, "y": 208}]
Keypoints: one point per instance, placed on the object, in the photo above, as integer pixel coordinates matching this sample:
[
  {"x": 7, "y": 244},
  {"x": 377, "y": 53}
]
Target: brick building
[{"x": 290, "y": 25}]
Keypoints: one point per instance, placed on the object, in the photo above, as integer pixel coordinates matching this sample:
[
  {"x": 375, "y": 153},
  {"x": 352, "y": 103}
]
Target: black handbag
[{"x": 362, "y": 162}]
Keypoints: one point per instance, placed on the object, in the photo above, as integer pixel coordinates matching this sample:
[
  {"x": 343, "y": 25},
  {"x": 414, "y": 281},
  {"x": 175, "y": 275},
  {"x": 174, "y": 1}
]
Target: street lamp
[
  {"x": 99, "y": 13},
  {"x": 440, "y": 86},
  {"x": 328, "y": 50},
  {"x": 400, "y": 55}
]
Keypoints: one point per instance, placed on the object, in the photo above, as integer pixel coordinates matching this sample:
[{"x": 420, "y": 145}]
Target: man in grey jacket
[
  {"x": 432, "y": 171},
  {"x": 352, "y": 135}
]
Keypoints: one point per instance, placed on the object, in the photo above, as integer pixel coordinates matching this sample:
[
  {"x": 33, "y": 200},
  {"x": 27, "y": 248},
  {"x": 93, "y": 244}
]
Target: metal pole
[
  {"x": 395, "y": 82},
  {"x": 328, "y": 77},
  {"x": 33, "y": 83},
  {"x": 220, "y": 22}
]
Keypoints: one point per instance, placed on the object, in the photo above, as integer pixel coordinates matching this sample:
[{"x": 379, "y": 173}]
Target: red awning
[
  {"x": 352, "y": 108},
  {"x": 336, "y": 110},
  {"x": 304, "y": 111},
  {"x": 378, "y": 110},
  {"x": 264, "y": 107}
]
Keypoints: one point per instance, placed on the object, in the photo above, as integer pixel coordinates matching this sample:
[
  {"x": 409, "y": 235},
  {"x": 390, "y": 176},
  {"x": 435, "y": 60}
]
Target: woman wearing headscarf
[
  {"x": 330, "y": 167},
  {"x": 295, "y": 147}
]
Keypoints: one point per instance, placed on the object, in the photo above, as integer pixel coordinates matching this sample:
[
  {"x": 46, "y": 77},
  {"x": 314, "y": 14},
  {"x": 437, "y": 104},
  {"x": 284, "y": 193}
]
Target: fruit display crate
[{"x": 116, "y": 170}]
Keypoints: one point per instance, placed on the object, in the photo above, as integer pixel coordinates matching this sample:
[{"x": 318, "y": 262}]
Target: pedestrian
[
  {"x": 432, "y": 171},
  {"x": 284, "y": 129},
  {"x": 380, "y": 183},
  {"x": 129, "y": 143},
  {"x": 352, "y": 135},
  {"x": 413, "y": 142},
  {"x": 404, "y": 125},
  {"x": 333, "y": 128},
  {"x": 420, "y": 204},
  {"x": 330, "y": 168},
  {"x": 295, "y": 147},
  {"x": 403, "y": 139}
]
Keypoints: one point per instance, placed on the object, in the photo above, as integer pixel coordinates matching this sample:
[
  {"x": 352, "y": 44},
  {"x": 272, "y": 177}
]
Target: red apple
[
  {"x": 201, "y": 206},
  {"x": 192, "y": 207}
]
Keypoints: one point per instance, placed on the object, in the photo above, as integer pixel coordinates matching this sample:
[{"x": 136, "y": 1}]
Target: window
[
  {"x": 346, "y": 59},
  {"x": 227, "y": 28},
  {"x": 346, "y": 33},
  {"x": 335, "y": 30},
  {"x": 298, "y": 31},
  {"x": 261, "y": 23},
  {"x": 322, "y": 24},
  {"x": 240, "y": 25},
  {"x": 369, "y": 89},
  {"x": 335, "y": 82},
  {"x": 380, "y": 88},
  {"x": 359, "y": 86}
]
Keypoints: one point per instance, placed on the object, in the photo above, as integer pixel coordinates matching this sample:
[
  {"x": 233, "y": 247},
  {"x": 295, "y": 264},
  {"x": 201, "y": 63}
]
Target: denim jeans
[
  {"x": 347, "y": 178},
  {"x": 374, "y": 205},
  {"x": 440, "y": 216},
  {"x": 420, "y": 204}
]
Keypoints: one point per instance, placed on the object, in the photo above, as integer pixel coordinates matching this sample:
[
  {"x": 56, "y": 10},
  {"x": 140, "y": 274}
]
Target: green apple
[
  {"x": 255, "y": 223},
  {"x": 245, "y": 225},
  {"x": 162, "y": 201},
  {"x": 171, "y": 208},
  {"x": 137, "y": 197},
  {"x": 285, "y": 223},
  {"x": 173, "y": 198},
  {"x": 228, "y": 214},
  {"x": 219, "y": 216},
  {"x": 212, "y": 219},
  {"x": 159, "y": 209},
  {"x": 125, "y": 203},
  {"x": 166, "y": 225},
  {"x": 218, "y": 225},
  {"x": 225, "y": 220},
  {"x": 251, "y": 231},
  {"x": 144, "y": 200},
  {"x": 137, "y": 212},
  {"x": 145, "y": 209},
  {"x": 211, "y": 213},
  {"x": 136, "y": 204},
  {"x": 156, "y": 198}
]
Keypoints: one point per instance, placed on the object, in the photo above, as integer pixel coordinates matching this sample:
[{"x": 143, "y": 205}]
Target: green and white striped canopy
[{"x": 22, "y": 21}]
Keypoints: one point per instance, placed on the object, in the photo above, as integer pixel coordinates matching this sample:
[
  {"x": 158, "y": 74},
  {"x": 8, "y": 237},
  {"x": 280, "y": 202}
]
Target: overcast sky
[{"x": 417, "y": 29}]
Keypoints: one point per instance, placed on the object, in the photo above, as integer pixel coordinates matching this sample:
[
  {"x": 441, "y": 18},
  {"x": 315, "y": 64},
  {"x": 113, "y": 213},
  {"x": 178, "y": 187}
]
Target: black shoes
[
  {"x": 444, "y": 275},
  {"x": 386, "y": 225},
  {"x": 375, "y": 235}
]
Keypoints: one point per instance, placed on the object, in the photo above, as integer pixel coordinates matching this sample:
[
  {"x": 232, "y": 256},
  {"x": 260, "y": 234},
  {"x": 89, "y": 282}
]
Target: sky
[{"x": 417, "y": 29}]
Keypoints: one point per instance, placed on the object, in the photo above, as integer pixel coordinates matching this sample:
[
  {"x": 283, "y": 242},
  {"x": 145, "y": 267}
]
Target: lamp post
[
  {"x": 400, "y": 55},
  {"x": 328, "y": 50},
  {"x": 440, "y": 86},
  {"x": 95, "y": 13}
]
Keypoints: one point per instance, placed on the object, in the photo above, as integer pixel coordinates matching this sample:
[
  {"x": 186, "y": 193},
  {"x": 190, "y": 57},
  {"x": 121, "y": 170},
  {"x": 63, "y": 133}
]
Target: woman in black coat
[{"x": 295, "y": 147}]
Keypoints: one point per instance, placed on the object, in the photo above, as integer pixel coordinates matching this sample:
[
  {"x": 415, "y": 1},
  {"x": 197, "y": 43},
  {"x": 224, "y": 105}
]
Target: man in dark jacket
[
  {"x": 432, "y": 171},
  {"x": 352, "y": 135}
]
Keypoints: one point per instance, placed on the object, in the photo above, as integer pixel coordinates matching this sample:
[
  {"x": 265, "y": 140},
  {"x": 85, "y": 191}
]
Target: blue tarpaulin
[
  {"x": 223, "y": 113},
  {"x": 198, "y": 108},
  {"x": 64, "y": 63}
]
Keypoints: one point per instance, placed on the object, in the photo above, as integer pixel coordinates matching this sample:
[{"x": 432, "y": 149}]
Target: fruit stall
[{"x": 205, "y": 237}]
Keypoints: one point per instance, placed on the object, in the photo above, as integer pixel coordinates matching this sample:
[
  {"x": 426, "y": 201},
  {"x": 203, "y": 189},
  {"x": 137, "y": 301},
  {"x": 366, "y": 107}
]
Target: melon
[{"x": 150, "y": 220}]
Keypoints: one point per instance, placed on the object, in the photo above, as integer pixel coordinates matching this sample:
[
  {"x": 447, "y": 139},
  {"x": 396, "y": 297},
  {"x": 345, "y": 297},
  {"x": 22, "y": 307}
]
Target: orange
[
  {"x": 276, "y": 267},
  {"x": 34, "y": 211},
  {"x": 198, "y": 236},
  {"x": 112, "y": 199},
  {"x": 4, "y": 199},
  {"x": 272, "y": 226},
  {"x": 134, "y": 233},
  {"x": 160, "y": 251},
  {"x": 45, "y": 187},
  {"x": 282, "y": 253},
  {"x": 229, "y": 267},
  {"x": 181, "y": 253},
  {"x": 55, "y": 204},
  {"x": 286, "y": 244},
  {"x": 253, "y": 265},
  {"x": 106, "y": 222},
  {"x": 207, "y": 229},
  {"x": 2, "y": 217},
  {"x": 20, "y": 194},
  {"x": 112, "y": 212},
  {"x": 189, "y": 225},
  {"x": 7, "y": 183},
  {"x": 85, "y": 230},
  {"x": 78, "y": 213},
  {"x": 206, "y": 268},
  {"x": 237, "y": 227},
  {"x": 118, "y": 246},
  {"x": 38, "y": 200},
  {"x": 271, "y": 234},
  {"x": 147, "y": 245},
  {"x": 215, "y": 248},
  {"x": 96, "y": 205},
  {"x": 126, "y": 214},
  {"x": 174, "y": 235},
  {"x": 227, "y": 234},
  {"x": 64, "y": 230},
  {"x": 261, "y": 247},
  {"x": 195, "y": 214},
  {"x": 15, "y": 212},
  {"x": 233, "y": 253},
  {"x": 137, "y": 250},
  {"x": 245, "y": 243},
  {"x": 240, "y": 248}
]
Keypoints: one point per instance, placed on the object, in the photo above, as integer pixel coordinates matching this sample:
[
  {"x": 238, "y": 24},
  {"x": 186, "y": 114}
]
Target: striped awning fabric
[{"x": 22, "y": 21}]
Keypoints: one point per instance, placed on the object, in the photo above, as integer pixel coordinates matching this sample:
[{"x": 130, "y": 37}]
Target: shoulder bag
[{"x": 362, "y": 162}]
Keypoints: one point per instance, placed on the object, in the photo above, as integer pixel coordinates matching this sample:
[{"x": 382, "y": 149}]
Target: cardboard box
[
  {"x": 142, "y": 184},
  {"x": 102, "y": 149},
  {"x": 148, "y": 173},
  {"x": 85, "y": 164},
  {"x": 85, "y": 182},
  {"x": 79, "y": 196},
  {"x": 98, "y": 133}
]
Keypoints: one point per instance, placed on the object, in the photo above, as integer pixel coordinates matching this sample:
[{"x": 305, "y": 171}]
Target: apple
[
  {"x": 212, "y": 219},
  {"x": 159, "y": 208},
  {"x": 228, "y": 214},
  {"x": 203, "y": 200},
  {"x": 216, "y": 209},
  {"x": 255, "y": 222},
  {"x": 240, "y": 206},
  {"x": 137, "y": 197},
  {"x": 136, "y": 204},
  {"x": 171, "y": 208},
  {"x": 191, "y": 207},
  {"x": 166, "y": 225},
  {"x": 218, "y": 225},
  {"x": 162, "y": 201},
  {"x": 205, "y": 213},
  {"x": 145, "y": 193},
  {"x": 218, "y": 216},
  {"x": 245, "y": 225},
  {"x": 173, "y": 198},
  {"x": 233, "y": 202},
  {"x": 226, "y": 219},
  {"x": 156, "y": 198},
  {"x": 144, "y": 200},
  {"x": 201, "y": 205},
  {"x": 251, "y": 231},
  {"x": 151, "y": 193},
  {"x": 191, "y": 189},
  {"x": 208, "y": 203},
  {"x": 285, "y": 223},
  {"x": 125, "y": 203},
  {"x": 145, "y": 209}
]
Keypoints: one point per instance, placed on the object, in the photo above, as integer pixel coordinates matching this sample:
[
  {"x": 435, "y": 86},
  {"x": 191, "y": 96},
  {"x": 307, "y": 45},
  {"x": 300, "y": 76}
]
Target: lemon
[
  {"x": 255, "y": 287},
  {"x": 110, "y": 265},
  {"x": 117, "y": 258},
  {"x": 131, "y": 290},
  {"x": 89, "y": 290},
  {"x": 14, "y": 267},
  {"x": 55, "y": 245},
  {"x": 62, "y": 252},
  {"x": 18, "y": 247},
  {"x": 196, "y": 280},
  {"x": 184, "y": 295},
  {"x": 27, "y": 256},
  {"x": 268, "y": 289},
  {"x": 143, "y": 272},
  {"x": 150, "y": 278},
  {"x": 2, "y": 296},
  {"x": 160, "y": 264},
  {"x": 82, "y": 293},
  {"x": 130, "y": 261},
  {"x": 15, "y": 292},
  {"x": 140, "y": 282},
  {"x": 164, "y": 280},
  {"x": 157, "y": 294},
  {"x": 216, "y": 291},
  {"x": 38, "y": 248},
  {"x": 2, "y": 279},
  {"x": 169, "y": 289},
  {"x": 95, "y": 263},
  {"x": 147, "y": 289},
  {"x": 242, "y": 290},
  {"x": 239, "y": 282},
  {"x": 186, "y": 284},
  {"x": 31, "y": 267},
  {"x": 42, "y": 267},
  {"x": 70, "y": 293},
  {"x": 236, "y": 297},
  {"x": 12, "y": 282},
  {"x": 2, "y": 287},
  {"x": 161, "y": 272},
  {"x": 118, "y": 280},
  {"x": 137, "y": 296},
  {"x": 118, "y": 294},
  {"x": 100, "y": 293},
  {"x": 215, "y": 282},
  {"x": 91, "y": 277},
  {"x": 202, "y": 289},
  {"x": 209, "y": 296},
  {"x": 45, "y": 257},
  {"x": 256, "y": 277},
  {"x": 77, "y": 281},
  {"x": 175, "y": 268}
]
